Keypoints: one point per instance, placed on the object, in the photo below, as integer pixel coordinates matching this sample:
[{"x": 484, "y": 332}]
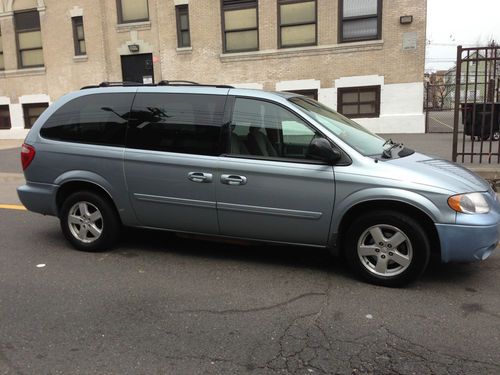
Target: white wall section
[{"x": 300, "y": 84}]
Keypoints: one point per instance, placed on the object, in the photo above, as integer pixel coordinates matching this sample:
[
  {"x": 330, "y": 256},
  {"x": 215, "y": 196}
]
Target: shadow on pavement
[
  {"x": 269, "y": 254},
  {"x": 136, "y": 242},
  {"x": 450, "y": 273},
  {"x": 208, "y": 247}
]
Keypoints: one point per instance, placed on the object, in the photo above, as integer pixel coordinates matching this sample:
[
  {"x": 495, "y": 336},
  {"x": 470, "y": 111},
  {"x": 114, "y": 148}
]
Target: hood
[{"x": 433, "y": 171}]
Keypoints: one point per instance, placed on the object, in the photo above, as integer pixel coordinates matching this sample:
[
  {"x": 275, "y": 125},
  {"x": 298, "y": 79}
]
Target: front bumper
[{"x": 467, "y": 243}]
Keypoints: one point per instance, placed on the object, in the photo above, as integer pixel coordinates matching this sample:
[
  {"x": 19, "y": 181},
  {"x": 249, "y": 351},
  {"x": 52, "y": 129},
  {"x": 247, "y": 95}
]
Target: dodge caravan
[{"x": 249, "y": 164}]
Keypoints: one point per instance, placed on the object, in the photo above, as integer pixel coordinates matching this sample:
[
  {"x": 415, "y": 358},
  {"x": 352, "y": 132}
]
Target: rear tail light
[{"x": 27, "y": 155}]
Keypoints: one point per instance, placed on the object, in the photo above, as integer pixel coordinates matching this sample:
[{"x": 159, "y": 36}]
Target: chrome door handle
[
  {"x": 200, "y": 177},
  {"x": 232, "y": 179}
]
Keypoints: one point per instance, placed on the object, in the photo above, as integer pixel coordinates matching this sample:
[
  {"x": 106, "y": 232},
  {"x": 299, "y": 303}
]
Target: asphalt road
[
  {"x": 162, "y": 304},
  {"x": 10, "y": 160},
  {"x": 441, "y": 121},
  {"x": 10, "y": 175}
]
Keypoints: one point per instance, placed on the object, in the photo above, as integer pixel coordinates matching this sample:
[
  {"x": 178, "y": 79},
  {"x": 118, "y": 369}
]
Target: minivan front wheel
[
  {"x": 89, "y": 222},
  {"x": 387, "y": 248}
]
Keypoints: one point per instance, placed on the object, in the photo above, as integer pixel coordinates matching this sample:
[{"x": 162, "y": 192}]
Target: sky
[{"x": 453, "y": 22}]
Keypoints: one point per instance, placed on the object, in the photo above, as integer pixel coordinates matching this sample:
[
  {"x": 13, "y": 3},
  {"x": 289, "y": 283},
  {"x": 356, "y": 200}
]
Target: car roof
[{"x": 188, "y": 89}]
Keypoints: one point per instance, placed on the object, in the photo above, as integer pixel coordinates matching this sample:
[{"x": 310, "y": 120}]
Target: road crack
[{"x": 251, "y": 310}]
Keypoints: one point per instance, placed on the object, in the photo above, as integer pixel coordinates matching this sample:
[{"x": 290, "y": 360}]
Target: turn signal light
[
  {"x": 470, "y": 203},
  {"x": 27, "y": 155}
]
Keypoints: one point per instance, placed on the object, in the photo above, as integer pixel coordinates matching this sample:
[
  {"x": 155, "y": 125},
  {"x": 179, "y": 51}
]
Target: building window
[
  {"x": 356, "y": 102},
  {"x": 4, "y": 117},
  {"x": 79, "y": 36},
  {"x": 32, "y": 112},
  {"x": 132, "y": 11},
  {"x": 2, "y": 64},
  {"x": 182, "y": 15},
  {"x": 297, "y": 23},
  {"x": 29, "y": 39},
  {"x": 360, "y": 20},
  {"x": 240, "y": 25}
]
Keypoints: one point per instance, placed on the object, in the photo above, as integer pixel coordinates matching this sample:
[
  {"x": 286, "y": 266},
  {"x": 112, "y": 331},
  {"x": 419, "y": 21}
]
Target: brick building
[{"x": 362, "y": 57}]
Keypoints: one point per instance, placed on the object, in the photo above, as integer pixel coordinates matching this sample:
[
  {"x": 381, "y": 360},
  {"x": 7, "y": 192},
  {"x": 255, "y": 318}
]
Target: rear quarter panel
[{"x": 60, "y": 162}]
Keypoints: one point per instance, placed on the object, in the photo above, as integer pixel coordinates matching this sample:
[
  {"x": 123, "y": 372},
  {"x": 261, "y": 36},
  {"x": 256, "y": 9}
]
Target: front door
[
  {"x": 173, "y": 143},
  {"x": 138, "y": 68},
  {"x": 268, "y": 187}
]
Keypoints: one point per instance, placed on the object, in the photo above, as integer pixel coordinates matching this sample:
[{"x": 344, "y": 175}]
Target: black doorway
[{"x": 138, "y": 68}]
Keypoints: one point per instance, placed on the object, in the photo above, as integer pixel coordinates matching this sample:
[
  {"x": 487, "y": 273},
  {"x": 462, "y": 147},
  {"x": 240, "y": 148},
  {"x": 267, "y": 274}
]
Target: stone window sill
[
  {"x": 23, "y": 72},
  {"x": 303, "y": 51},
  {"x": 184, "y": 50},
  {"x": 125, "y": 27},
  {"x": 80, "y": 58}
]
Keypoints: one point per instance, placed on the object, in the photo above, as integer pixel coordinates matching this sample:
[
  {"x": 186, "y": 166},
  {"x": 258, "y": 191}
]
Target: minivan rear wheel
[
  {"x": 387, "y": 248},
  {"x": 89, "y": 221}
]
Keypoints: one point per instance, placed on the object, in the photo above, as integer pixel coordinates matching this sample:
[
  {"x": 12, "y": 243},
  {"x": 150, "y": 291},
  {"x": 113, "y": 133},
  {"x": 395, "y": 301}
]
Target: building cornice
[{"x": 303, "y": 51}]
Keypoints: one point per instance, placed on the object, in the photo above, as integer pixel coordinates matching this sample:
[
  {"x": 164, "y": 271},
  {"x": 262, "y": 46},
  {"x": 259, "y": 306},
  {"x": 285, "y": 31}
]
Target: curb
[{"x": 488, "y": 173}]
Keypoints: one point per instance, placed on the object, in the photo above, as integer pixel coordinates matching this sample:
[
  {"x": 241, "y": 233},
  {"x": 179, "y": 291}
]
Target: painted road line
[
  {"x": 12, "y": 207},
  {"x": 441, "y": 122}
]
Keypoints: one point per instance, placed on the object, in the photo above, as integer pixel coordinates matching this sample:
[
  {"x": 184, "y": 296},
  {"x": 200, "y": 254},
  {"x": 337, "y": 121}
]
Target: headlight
[{"x": 472, "y": 203}]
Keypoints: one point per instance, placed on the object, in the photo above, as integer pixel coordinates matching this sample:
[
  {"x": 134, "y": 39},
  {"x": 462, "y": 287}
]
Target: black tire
[
  {"x": 414, "y": 250},
  {"x": 484, "y": 137},
  {"x": 108, "y": 223}
]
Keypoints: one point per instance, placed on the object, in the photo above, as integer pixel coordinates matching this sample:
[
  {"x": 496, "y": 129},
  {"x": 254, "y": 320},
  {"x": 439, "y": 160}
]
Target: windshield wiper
[
  {"x": 387, "y": 154},
  {"x": 388, "y": 142}
]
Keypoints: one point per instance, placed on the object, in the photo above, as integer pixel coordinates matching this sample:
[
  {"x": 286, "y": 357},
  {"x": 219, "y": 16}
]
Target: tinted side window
[
  {"x": 183, "y": 123},
  {"x": 95, "y": 119}
]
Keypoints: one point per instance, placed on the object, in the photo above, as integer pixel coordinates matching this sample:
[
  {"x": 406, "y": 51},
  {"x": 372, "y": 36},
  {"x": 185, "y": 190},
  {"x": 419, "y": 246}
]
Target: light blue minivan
[{"x": 250, "y": 164}]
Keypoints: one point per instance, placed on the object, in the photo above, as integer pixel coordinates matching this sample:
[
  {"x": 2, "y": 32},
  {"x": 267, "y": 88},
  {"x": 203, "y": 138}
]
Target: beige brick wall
[
  {"x": 205, "y": 62},
  {"x": 270, "y": 64}
]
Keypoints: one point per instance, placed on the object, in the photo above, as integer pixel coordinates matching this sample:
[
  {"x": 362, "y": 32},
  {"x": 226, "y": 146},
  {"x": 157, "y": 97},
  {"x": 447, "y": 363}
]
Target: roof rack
[
  {"x": 190, "y": 83},
  {"x": 161, "y": 83},
  {"x": 113, "y": 84},
  {"x": 171, "y": 83}
]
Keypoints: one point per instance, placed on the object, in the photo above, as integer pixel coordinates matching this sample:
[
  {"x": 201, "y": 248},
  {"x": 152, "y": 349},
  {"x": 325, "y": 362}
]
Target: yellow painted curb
[{"x": 13, "y": 207}]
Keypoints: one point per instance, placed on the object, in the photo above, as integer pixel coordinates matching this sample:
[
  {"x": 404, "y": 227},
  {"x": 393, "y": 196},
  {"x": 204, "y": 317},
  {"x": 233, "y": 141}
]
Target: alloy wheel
[
  {"x": 85, "y": 222},
  {"x": 385, "y": 250}
]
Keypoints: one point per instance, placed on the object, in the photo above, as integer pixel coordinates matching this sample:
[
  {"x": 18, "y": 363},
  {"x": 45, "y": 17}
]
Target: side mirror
[{"x": 321, "y": 149}]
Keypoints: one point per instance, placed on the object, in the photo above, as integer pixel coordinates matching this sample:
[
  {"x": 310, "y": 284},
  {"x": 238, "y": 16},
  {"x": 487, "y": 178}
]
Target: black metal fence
[{"x": 476, "y": 108}]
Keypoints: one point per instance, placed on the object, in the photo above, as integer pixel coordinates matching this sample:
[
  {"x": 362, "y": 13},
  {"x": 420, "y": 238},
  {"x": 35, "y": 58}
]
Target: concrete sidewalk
[{"x": 5, "y": 144}]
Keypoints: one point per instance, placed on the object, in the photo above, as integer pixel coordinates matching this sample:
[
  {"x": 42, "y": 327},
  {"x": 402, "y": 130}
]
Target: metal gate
[{"x": 476, "y": 127}]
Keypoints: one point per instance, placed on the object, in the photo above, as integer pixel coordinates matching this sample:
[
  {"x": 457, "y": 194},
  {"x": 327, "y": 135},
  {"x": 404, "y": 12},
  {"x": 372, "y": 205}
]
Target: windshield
[{"x": 356, "y": 136}]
